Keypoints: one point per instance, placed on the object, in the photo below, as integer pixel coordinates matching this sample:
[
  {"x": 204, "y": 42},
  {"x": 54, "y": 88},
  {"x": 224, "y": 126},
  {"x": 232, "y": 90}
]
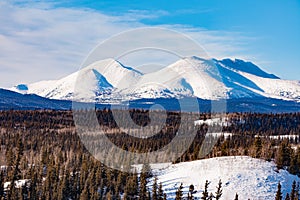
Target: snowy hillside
[
  {"x": 250, "y": 178},
  {"x": 109, "y": 80}
]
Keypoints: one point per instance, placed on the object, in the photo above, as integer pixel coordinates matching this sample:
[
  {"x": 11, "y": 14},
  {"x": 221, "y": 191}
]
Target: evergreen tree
[
  {"x": 33, "y": 186},
  {"x": 160, "y": 192},
  {"x": 294, "y": 168},
  {"x": 154, "y": 189},
  {"x": 205, "y": 192},
  {"x": 109, "y": 196},
  {"x": 287, "y": 197},
  {"x": 179, "y": 193},
  {"x": 258, "y": 147},
  {"x": 131, "y": 187},
  {"x": 191, "y": 192},
  {"x": 120, "y": 180},
  {"x": 284, "y": 154},
  {"x": 236, "y": 196},
  {"x": 9, "y": 154},
  {"x": 1, "y": 184},
  {"x": 278, "y": 193},
  {"x": 85, "y": 194},
  {"x": 211, "y": 196},
  {"x": 13, "y": 193},
  {"x": 143, "y": 193},
  {"x": 65, "y": 188},
  {"x": 219, "y": 190},
  {"x": 165, "y": 196}
]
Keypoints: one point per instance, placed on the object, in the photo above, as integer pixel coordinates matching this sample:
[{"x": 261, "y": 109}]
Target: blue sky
[{"x": 55, "y": 36}]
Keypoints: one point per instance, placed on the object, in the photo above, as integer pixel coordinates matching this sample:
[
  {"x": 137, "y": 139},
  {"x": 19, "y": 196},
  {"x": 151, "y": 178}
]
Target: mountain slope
[
  {"x": 247, "y": 67},
  {"x": 110, "y": 81},
  {"x": 250, "y": 178}
]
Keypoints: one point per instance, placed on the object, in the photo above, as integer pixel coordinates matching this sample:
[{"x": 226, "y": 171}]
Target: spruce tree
[
  {"x": 131, "y": 187},
  {"x": 258, "y": 147},
  {"x": 211, "y": 196},
  {"x": 219, "y": 190},
  {"x": 9, "y": 156},
  {"x": 278, "y": 193},
  {"x": 143, "y": 193},
  {"x": 191, "y": 192},
  {"x": 65, "y": 188},
  {"x": 13, "y": 193},
  {"x": 205, "y": 192},
  {"x": 154, "y": 189},
  {"x": 236, "y": 196},
  {"x": 284, "y": 154},
  {"x": 85, "y": 194},
  {"x": 165, "y": 196},
  {"x": 160, "y": 192},
  {"x": 33, "y": 186},
  {"x": 287, "y": 197},
  {"x": 118, "y": 185},
  {"x": 1, "y": 184},
  {"x": 179, "y": 193},
  {"x": 109, "y": 196},
  {"x": 293, "y": 168}
]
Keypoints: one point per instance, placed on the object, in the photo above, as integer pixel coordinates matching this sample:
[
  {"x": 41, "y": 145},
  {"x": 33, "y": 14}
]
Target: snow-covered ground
[
  {"x": 284, "y": 136},
  {"x": 211, "y": 122},
  {"x": 249, "y": 177}
]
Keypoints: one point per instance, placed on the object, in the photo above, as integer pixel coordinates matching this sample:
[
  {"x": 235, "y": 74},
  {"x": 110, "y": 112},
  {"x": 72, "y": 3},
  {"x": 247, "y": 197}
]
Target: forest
[{"x": 43, "y": 149}]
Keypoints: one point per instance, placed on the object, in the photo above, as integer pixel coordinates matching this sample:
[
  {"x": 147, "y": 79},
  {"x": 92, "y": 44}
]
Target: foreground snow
[{"x": 249, "y": 177}]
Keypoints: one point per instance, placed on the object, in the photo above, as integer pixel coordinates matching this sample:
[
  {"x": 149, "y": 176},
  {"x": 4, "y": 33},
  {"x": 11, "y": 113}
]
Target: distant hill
[{"x": 13, "y": 100}]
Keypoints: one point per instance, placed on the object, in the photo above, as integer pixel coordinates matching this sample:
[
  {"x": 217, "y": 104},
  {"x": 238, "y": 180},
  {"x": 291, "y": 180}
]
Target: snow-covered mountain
[
  {"x": 110, "y": 81},
  {"x": 251, "y": 178}
]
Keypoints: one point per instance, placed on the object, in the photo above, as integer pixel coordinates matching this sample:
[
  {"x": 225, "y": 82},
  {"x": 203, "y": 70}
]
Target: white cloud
[{"x": 46, "y": 42}]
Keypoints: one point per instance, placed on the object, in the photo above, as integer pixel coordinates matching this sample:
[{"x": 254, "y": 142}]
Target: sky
[{"x": 42, "y": 40}]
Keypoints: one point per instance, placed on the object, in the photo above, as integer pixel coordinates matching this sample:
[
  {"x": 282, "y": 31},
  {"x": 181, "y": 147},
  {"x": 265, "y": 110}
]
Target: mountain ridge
[{"x": 109, "y": 81}]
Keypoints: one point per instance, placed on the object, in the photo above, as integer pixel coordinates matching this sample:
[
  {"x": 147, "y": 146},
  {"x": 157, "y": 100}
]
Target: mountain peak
[
  {"x": 110, "y": 62},
  {"x": 196, "y": 58},
  {"x": 129, "y": 68}
]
